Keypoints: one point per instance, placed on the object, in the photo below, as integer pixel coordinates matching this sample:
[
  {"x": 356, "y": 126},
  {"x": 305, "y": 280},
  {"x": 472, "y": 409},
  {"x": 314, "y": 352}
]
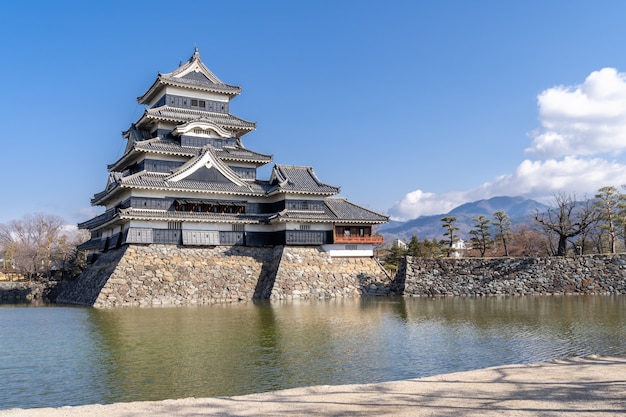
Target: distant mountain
[{"x": 519, "y": 210}]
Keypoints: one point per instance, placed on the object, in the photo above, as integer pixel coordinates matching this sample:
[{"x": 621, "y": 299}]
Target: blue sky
[{"x": 411, "y": 107}]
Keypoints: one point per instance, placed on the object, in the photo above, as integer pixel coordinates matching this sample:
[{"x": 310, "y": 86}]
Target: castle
[
  {"x": 186, "y": 178},
  {"x": 187, "y": 220}
]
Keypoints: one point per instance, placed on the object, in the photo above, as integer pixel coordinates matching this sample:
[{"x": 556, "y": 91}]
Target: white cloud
[
  {"x": 539, "y": 180},
  {"x": 586, "y": 119},
  {"x": 418, "y": 203},
  {"x": 578, "y": 125}
]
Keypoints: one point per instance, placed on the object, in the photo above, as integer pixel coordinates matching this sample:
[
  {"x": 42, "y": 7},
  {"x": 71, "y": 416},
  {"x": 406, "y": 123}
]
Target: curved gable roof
[
  {"x": 298, "y": 179},
  {"x": 192, "y": 74}
]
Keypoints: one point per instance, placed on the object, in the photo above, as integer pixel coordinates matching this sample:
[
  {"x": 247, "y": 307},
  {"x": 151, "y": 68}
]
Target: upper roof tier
[
  {"x": 192, "y": 75},
  {"x": 177, "y": 115}
]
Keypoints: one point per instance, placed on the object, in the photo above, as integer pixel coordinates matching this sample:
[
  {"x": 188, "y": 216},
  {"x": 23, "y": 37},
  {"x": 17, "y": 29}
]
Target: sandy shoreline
[{"x": 593, "y": 385}]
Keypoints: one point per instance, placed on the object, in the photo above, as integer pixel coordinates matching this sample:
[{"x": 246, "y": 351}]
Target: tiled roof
[
  {"x": 199, "y": 83},
  {"x": 345, "y": 210},
  {"x": 181, "y": 115},
  {"x": 140, "y": 214},
  {"x": 336, "y": 210},
  {"x": 304, "y": 216},
  {"x": 206, "y": 156},
  {"x": 168, "y": 147},
  {"x": 193, "y": 74},
  {"x": 298, "y": 179},
  {"x": 165, "y": 147},
  {"x": 90, "y": 244},
  {"x": 98, "y": 220},
  {"x": 155, "y": 145},
  {"x": 242, "y": 155},
  {"x": 157, "y": 180}
]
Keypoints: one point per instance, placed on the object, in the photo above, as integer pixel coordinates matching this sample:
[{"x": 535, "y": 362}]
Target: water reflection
[{"x": 150, "y": 354}]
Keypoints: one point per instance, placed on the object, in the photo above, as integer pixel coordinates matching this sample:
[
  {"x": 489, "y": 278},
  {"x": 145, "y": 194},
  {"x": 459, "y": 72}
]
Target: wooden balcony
[{"x": 375, "y": 240}]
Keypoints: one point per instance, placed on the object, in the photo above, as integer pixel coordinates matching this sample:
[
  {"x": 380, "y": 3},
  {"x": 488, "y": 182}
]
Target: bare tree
[
  {"x": 527, "y": 241},
  {"x": 567, "y": 219},
  {"x": 31, "y": 241},
  {"x": 66, "y": 256}
]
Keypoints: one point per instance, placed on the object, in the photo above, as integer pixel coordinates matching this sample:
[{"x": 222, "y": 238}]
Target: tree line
[
  {"x": 568, "y": 226},
  {"x": 41, "y": 246}
]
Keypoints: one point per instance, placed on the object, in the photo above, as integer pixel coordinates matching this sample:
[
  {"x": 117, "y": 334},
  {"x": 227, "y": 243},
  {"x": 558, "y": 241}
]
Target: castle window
[
  {"x": 305, "y": 227},
  {"x": 198, "y": 104},
  {"x": 238, "y": 227},
  {"x": 174, "y": 225}
]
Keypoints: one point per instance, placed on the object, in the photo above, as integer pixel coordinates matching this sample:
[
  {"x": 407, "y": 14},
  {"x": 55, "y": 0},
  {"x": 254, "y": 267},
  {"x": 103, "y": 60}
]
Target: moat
[{"x": 55, "y": 356}]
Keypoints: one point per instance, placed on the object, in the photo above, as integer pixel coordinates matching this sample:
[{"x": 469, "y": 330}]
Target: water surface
[{"x": 55, "y": 356}]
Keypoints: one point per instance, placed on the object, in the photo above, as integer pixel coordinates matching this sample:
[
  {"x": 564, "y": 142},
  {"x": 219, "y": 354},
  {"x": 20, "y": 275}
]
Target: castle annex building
[{"x": 186, "y": 179}]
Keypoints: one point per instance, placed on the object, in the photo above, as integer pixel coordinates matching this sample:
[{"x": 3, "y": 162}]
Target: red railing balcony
[{"x": 376, "y": 240}]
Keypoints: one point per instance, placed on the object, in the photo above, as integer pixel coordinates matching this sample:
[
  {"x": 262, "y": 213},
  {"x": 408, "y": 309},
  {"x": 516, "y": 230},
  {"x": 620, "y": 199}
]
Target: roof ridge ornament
[
  {"x": 205, "y": 158},
  {"x": 194, "y": 64}
]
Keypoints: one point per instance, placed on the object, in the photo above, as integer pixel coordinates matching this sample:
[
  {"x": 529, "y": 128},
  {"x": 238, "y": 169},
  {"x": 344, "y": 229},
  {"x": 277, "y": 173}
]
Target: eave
[
  {"x": 162, "y": 215},
  {"x": 177, "y": 115},
  {"x": 161, "y": 82},
  {"x": 136, "y": 150}
]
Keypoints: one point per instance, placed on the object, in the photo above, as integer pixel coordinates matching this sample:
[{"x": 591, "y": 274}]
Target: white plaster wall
[
  {"x": 314, "y": 226},
  {"x": 222, "y": 227},
  {"x": 341, "y": 251},
  {"x": 148, "y": 224}
]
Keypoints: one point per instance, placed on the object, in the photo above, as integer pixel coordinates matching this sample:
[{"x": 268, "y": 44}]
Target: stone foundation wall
[
  {"x": 24, "y": 291},
  {"x": 594, "y": 274},
  {"x": 311, "y": 273},
  {"x": 137, "y": 275}
]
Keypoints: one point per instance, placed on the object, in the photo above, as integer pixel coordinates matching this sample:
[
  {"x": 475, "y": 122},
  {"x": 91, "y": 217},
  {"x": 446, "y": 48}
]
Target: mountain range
[{"x": 520, "y": 211}]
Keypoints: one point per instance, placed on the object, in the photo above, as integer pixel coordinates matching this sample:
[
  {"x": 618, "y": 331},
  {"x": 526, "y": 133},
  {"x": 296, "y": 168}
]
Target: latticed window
[
  {"x": 175, "y": 225},
  {"x": 308, "y": 205},
  {"x": 238, "y": 227},
  {"x": 198, "y": 104},
  {"x": 305, "y": 227}
]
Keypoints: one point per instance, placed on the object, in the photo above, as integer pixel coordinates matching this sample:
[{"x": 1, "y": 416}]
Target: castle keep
[
  {"x": 187, "y": 184},
  {"x": 187, "y": 179}
]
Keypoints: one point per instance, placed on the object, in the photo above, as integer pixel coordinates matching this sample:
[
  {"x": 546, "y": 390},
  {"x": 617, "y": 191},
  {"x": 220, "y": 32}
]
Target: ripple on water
[{"x": 55, "y": 356}]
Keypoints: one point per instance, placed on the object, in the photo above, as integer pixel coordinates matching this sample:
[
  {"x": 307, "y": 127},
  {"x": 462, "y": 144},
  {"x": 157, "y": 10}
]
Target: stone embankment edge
[
  {"x": 165, "y": 275},
  {"x": 593, "y": 274},
  {"x": 28, "y": 291},
  {"x": 170, "y": 275}
]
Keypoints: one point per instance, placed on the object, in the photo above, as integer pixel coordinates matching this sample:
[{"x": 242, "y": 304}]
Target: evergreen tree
[
  {"x": 481, "y": 236},
  {"x": 395, "y": 254},
  {"x": 607, "y": 204},
  {"x": 503, "y": 229},
  {"x": 450, "y": 236},
  {"x": 423, "y": 248},
  {"x": 414, "y": 248}
]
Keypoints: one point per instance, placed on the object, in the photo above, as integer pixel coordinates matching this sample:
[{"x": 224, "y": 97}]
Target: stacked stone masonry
[
  {"x": 27, "y": 291},
  {"x": 594, "y": 274},
  {"x": 171, "y": 275},
  {"x": 153, "y": 275}
]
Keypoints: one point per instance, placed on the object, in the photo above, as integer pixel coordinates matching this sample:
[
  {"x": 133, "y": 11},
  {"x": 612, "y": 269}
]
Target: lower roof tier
[{"x": 333, "y": 211}]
